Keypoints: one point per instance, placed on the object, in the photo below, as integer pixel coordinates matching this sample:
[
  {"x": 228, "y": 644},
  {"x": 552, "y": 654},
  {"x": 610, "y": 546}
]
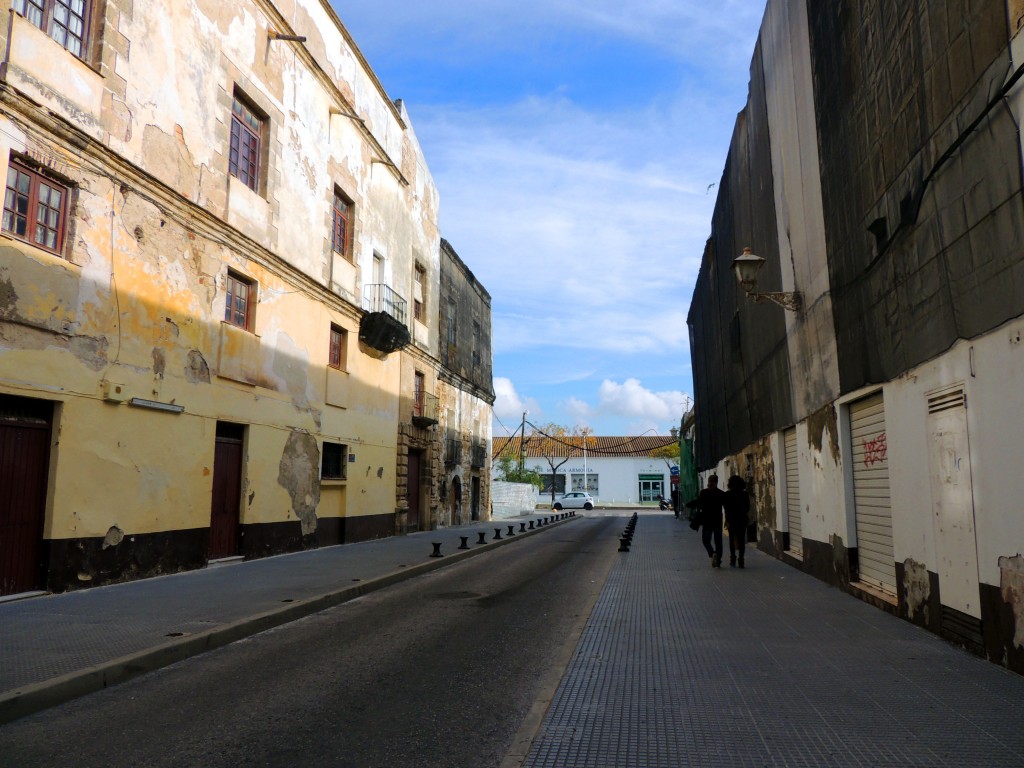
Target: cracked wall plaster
[
  {"x": 1011, "y": 586},
  {"x": 916, "y": 588},
  {"x": 299, "y": 474},
  {"x": 820, "y": 422}
]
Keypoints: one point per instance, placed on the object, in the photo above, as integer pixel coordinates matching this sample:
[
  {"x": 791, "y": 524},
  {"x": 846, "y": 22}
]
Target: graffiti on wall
[{"x": 875, "y": 450}]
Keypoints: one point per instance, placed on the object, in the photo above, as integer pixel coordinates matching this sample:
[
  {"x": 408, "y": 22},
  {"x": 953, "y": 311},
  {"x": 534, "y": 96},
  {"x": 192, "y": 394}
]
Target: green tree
[
  {"x": 508, "y": 470},
  {"x": 667, "y": 453}
]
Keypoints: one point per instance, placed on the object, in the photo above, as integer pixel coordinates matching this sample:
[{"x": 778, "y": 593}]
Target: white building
[{"x": 614, "y": 470}]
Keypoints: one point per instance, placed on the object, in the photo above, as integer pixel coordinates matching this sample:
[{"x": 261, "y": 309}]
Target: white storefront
[{"x": 609, "y": 479}]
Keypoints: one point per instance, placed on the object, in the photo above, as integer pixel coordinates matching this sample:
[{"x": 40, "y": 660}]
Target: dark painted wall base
[
  {"x": 367, "y": 527},
  {"x": 78, "y": 563},
  {"x": 991, "y": 637},
  {"x": 998, "y": 627}
]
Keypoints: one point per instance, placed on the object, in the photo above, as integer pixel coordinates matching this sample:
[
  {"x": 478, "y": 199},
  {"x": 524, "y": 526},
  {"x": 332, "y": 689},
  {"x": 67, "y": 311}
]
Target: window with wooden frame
[
  {"x": 247, "y": 132},
  {"x": 338, "y": 355},
  {"x": 341, "y": 225},
  {"x": 333, "y": 461},
  {"x": 418, "y": 301},
  {"x": 66, "y": 21},
  {"x": 241, "y": 297},
  {"x": 35, "y": 207},
  {"x": 419, "y": 387}
]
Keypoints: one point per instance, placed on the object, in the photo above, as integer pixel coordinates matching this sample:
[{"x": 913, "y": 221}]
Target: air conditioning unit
[{"x": 114, "y": 392}]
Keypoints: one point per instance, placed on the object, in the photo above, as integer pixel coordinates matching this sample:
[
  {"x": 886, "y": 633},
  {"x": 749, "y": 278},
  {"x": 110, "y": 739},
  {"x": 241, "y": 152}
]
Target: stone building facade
[{"x": 465, "y": 393}]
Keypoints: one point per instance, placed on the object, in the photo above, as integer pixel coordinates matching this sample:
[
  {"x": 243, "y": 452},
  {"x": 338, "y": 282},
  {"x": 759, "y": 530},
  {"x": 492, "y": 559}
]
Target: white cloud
[
  {"x": 632, "y": 399},
  {"x": 508, "y": 405}
]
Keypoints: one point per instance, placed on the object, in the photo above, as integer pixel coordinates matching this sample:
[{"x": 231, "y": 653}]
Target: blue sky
[{"x": 574, "y": 146}]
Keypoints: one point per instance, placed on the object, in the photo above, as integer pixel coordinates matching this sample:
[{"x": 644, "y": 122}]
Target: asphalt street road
[{"x": 447, "y": 669}]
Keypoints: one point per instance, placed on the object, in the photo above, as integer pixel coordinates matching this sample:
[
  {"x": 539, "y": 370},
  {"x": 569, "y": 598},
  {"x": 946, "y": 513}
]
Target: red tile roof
[{"x": 539, "y": 446}]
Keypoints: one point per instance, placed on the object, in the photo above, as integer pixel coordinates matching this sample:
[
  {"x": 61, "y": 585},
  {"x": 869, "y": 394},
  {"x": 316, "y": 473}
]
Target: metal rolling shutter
[
  {"x": 796, "y": 540},
  {"x": 873, "y": 511}
]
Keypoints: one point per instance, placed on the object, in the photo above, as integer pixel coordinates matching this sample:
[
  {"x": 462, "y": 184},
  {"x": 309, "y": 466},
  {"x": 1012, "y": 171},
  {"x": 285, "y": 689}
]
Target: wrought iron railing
[
  {"x": 378, "y": 297},
  {"x": 453, "y": 450},
  {"x": 479, "y": 456},
  {"x": 424, "y": 408}
]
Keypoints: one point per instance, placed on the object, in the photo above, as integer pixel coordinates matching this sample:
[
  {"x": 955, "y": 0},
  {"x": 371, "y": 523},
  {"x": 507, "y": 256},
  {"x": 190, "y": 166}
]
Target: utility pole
[{"x": 522, "y": 446}]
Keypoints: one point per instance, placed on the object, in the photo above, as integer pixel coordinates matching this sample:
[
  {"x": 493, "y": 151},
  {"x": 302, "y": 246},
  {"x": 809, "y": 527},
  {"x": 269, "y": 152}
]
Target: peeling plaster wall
[
  {"x": 821, "y": 475},
  {"x": 135, "y": 303}
]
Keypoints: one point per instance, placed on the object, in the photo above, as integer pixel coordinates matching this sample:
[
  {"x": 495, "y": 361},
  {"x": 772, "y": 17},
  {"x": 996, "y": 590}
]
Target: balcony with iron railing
[
  {"x": 383, "y": 327},
  {"x": 424, "y": 409}
]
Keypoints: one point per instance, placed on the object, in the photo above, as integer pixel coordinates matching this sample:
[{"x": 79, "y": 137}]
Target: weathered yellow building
[{"x": 219, "y": 282}]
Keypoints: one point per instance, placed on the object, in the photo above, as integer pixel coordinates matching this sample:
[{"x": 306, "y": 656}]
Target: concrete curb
[{"x": 58, "y": 690}]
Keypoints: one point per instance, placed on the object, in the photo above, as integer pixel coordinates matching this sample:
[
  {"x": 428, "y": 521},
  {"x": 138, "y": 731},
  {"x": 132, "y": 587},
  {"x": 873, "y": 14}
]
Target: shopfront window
[
  {"x": 559, "y": 482},
  {"x": 652, "y": 487},
  {"x": 591, "y": 484}
]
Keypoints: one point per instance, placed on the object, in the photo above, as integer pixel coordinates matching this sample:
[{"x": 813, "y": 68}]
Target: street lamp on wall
[{"x": 746, "y": 266}]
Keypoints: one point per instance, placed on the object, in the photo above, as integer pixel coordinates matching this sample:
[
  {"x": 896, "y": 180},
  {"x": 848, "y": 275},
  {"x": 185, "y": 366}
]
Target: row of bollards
[
  {"x": 627, "y": 536},
  {"x": 482, "y": 535}
]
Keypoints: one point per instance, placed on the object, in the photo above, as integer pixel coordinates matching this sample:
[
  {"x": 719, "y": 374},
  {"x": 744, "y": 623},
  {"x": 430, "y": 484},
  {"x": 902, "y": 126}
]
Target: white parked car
[{"x": 574, "y": 500}]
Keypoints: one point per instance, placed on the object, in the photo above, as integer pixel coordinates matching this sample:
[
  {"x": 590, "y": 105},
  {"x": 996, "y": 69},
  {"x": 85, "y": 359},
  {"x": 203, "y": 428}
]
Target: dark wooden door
[
  {"x": 456, "y": 502},
  {"x": 474, "y": 498},
  {"x": 227, "y": 491},
  {"x": 24, "y": 462},
  {"x": 412, "y": 520}
]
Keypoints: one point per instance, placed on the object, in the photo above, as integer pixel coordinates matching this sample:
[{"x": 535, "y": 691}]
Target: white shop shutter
[
  {"x": 872, "y": 505},
  {"x": 796, "y": 540}
]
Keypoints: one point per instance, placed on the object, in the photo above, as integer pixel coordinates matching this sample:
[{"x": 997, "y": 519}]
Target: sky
[{"x": 577, "y": 147}]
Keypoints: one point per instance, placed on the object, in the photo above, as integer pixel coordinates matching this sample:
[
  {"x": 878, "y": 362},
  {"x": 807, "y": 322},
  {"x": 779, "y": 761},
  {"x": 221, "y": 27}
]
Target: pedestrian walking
[
  {"x": 737, "y": 511},
  {"x": 709, "y": 506}
]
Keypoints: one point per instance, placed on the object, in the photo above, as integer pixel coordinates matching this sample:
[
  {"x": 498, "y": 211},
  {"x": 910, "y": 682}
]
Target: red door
[
  {"x": 227, "y": 491},
  {"x": 412, "y": 520},
  {"x": 24, "y": 462}
]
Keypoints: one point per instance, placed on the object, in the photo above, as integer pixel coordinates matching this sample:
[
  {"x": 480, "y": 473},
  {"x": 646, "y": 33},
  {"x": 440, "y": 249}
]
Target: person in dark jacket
[
  {"x": 709, "y": 502},
  {"x": 737, "y": 509}
]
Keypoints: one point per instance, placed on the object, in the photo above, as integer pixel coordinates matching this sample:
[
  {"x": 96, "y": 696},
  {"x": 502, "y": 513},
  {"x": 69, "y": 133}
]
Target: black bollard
[
  {"x": 437, "y": 549},
  {"x": 465, "y": 542},
  {"x": 522, "y": 527},
  {"x": 531, "y": 525},
  {"x": 497, "y": 534},
  {"x": 483, "y": 537},
  {"x": 623, "y": 545},
  {"x": 511, "y": 531}
]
